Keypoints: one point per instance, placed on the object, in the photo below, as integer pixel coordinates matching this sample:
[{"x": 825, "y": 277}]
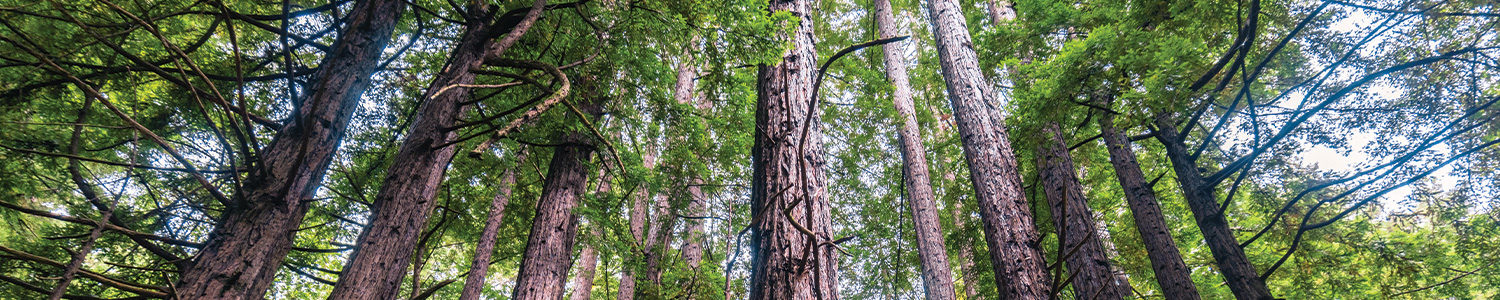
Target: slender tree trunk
[
  {"x": 1239, "y": 274},
  {"x": 1087, "y": 262},
  {"x": 697, "y": 205},
  {"x": 1015, "y": 248},
  {"x": 583, "y": 282},
  {"x": 405, "y": 200},
  {"x": 658, "y": 239},
  {"x": 242, "y": 254},
  {"x": 75, "y": 170},
  {"x": 1000, "y": 12},
  {"x": 480, "y": 266},
  {"x": 692, "y": 244},
  {"x": 792, "y": 256},
  {"x": 549, "y": 249},
  {"x": 965, "y": 253},
  {"x": 638, "y": 215},
  {"x": 588, "y": 260},
  {"x": 937, "y": 277},
  {"x": 1172, "y": 274}
]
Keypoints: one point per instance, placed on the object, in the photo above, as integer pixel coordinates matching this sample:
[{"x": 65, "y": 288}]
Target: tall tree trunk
[
  {"x": 965, "y": 253},
  {"x": 1171, "y": 273},
  {"x": 1015, "y": 248},
  {"x": 937, "y": 277},
  {"x": 792, "y": 256},
  {"x": 583, "y": 281},
  {"x": 405, "y": 200},
  {"x": 242, "y": 254},
  {"x": 549, "y": 249},
  {"x": 658, "y": 239},
  {"x": 1239, "y": 274},
  {"x": 480, "y": 266},
  {"x": 1000, "y": 12},
  {"x": 697, "y": 205},
  {"x": 638, "y": 219},
  {"x": 1087, "y": 262}
]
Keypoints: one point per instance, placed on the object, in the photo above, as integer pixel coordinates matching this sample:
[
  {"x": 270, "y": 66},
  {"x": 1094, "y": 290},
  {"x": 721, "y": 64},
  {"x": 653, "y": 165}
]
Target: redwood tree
[
  {"x": 1089, "y": 269},
  {"x": 937, "y": 277},
  {"x": 255, "y": 231},
  {"x": 792, "y": 253},
  {"x": 1014, "y": 247}
]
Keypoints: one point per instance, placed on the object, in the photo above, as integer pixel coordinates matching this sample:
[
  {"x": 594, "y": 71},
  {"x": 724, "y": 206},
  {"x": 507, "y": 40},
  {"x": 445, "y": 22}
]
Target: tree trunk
[
  {"x": 937, "y": 277},
  {"x": 1000, "y": 12},
  {"x": 583, "y": 282},
  {"x": 549, "y": 249},
  {"x": 1239, "y": 274},
  {"x": 792, "y": 257},
  {"x": 480, "y": 266},
  {"x": 638, "y": 220},
  {"x": 1172, "y": 274},
  {"x": 240, "y": 258},
  {"x": 657, "y": 241},
  {"x": 965, "y": 253},
  {"x": 405, "y": 200},
  {"x": 1087, "y": 262},
  {"x": 1015, "y": 248},
  {"x": 692, "y": 244}
]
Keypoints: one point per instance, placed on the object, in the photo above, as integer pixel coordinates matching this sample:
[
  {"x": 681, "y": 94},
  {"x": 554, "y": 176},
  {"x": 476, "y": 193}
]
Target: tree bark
[
  {"x": 937, "y": 277},
  {"x": 1015, "y": 248},
  {"x": 697, "y": 205},
  {"x": 1001, "y": 12},
  {"x": 1087, "y": 262},
  {"x": 549, "y": 249},
  {"x": 1172, "y": 274},
  {"x": 965, "y": 253},
  {"x": 242, "y": 254},
  {"x": 658, "y": 239},
  {"x": 405, "y": 200},
  {"x": 792, "y": 257},
  {"x": 1239, "y": 274},
  {"x": 638, "y": 215},
  {"x": 480, "y": 266},
  {"x": 583, "y": 282}
]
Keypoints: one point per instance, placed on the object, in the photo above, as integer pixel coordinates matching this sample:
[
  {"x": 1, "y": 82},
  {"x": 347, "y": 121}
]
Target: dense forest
[{"x": 749, "y": 149}]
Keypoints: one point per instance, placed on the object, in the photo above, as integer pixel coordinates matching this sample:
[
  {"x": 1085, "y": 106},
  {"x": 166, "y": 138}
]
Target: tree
[
  {"x": 1089, "y": 269},
  {"x": 549, "y": 247},
  {"x": 1015, "y": 249},
  {"x": 1171, "y": 273},
  {"x": 937, "y": 278},
  {"x": 792, "y": 253},
  {"x": 263, "y": 218}
]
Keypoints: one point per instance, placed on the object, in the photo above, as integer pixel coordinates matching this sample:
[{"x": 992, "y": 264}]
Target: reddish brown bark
[
  {"x": 966, "y": 254},
  {"x": 697, "y": 205},
  {"x": 549, "y": 247},
  {"x": 792, "y": 257},
  {"x": 1239, "y": 274},
  {"x": 1088, "y": 263},
  {"x": 400, "y": 209},
  {"x": 638, "y": 219},
  {"x": 1172, "y": 274},
  {"x": 479, "y": 267},
  {"x": 240, "y": 257},
  {"x": 583, "y": 281},
  {"x": 937, "y": 277},
  {"x": 1015, "y": 249}
]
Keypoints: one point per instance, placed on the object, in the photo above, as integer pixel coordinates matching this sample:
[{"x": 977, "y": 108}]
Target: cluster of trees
[{"x": 761, "y": 149}]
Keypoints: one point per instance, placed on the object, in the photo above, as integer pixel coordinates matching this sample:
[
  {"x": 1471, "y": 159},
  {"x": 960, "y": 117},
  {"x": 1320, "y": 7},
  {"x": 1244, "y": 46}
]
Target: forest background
[{"x": 614, "y": 149}]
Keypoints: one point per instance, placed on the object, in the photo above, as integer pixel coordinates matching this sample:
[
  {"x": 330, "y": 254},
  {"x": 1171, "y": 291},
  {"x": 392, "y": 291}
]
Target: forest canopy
[{"x": 749, "y": 149}]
